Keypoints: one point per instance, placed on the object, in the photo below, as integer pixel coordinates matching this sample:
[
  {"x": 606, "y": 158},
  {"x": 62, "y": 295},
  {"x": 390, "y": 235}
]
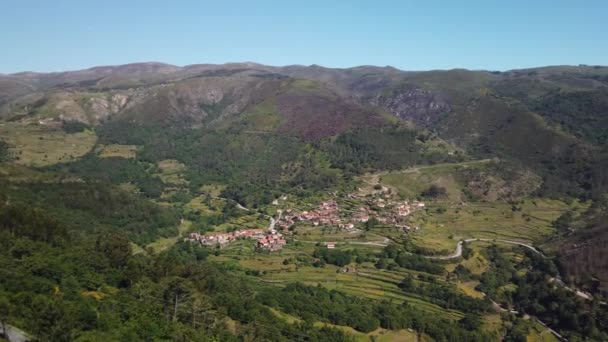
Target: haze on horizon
[{"x": 69, "y": 35}]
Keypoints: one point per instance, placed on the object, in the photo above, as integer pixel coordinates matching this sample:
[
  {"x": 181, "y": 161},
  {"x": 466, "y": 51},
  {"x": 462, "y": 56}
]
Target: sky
[{"x": 64, "y": 35}]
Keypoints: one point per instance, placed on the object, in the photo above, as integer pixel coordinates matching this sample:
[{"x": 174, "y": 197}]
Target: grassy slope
[
  {"x": 33, "y": 144},
  {"x": 410, "y": 183},
  {"x": 442, "y": 230}
]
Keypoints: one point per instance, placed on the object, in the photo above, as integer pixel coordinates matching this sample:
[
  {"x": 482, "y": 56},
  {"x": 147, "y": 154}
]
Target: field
[
  {"x": 115, "y": 150},
  {"x": 254, "y": 221},
  {"x": 380, "y": 334},
  {"x": 164, "y": 243},
  {"x": 538, "y": 333},
  {"x": 321, "y": 233},
  {"x": 33, "y": 144},
  {"x": 367, "y": 281},
  {"x": 201, "y": 204},
  {"x": 19, "y": 173},
  {"x": 411, "y": 182},
  {"x": 443, "y": 226},
  {"x": 171, "y": 172}
]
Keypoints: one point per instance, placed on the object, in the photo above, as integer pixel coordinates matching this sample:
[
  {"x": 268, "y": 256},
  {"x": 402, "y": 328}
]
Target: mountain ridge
[{"x": 523, "y": 115}]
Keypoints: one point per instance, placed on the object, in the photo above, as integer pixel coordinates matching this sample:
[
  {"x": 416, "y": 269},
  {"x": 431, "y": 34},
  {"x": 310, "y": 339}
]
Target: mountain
[{"x": 551, "y": 120}]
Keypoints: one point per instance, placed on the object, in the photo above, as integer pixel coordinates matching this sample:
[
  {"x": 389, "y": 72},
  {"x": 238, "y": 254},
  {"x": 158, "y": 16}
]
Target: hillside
[{"x": 532, "y": 117}]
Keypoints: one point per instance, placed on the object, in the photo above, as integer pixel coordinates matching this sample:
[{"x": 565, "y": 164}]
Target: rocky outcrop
[{"x": 417, "y": 105}]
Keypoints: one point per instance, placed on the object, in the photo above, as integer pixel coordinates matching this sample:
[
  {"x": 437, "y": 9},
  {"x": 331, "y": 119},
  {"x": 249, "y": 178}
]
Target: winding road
[
  {"x": 273, "y": 222},
  {"x": 558, "y": 279},
  {"x": 240, "y": 206},
  {"x": 458, "y": 252}
]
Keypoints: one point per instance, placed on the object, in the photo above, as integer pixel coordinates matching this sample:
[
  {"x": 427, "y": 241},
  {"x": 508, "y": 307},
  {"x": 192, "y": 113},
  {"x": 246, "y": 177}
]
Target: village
[
  {"x": 266, "y": 239},
  {"x": 381, "y": 206}
]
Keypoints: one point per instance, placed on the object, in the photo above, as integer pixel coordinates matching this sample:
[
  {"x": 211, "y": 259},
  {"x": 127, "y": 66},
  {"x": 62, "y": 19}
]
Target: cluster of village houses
[
  {"x": 381, "y": 206},
  {"x": 266, "y": 239},
  {"x": 393, "y": 212},
  {"x": 326, "y": 214}
]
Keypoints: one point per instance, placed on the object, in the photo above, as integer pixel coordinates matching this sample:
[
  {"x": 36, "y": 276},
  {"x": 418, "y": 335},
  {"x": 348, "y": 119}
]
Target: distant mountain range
[{"x": 543, "y": 117}]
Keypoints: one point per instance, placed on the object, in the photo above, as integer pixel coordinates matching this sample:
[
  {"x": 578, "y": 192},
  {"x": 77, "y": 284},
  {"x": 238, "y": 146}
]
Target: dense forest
[
  {"x": 539, "y": 293},
  {"x": 65, "y": 287},
  {"x": 89, "y": 207}
]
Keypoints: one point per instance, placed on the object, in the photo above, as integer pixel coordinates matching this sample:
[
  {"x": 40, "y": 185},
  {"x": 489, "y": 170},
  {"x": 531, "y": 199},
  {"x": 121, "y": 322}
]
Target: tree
[
  {"x": 116, "y": 247},
  {"x": 470, "y": 321},
  {"x": 435, "y": 191},
  {"x": 3, "y": 150},
  {"x": 371, "y": 223},
  {"x": 176, "y": 292},
  {"x": 466, "y": 250},
  {"x": 407, "y": 283}
]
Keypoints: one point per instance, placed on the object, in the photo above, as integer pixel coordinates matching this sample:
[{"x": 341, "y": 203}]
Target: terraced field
[
  {"x": 116, "y": 150},
  {"x": 164, "y": 243},
  {"x": 380, "y": 334},
  {"x": 316, "y": 234},
  {"x": 442, "y": 227},
  {"x": 171, "y": 172},
  {"x": 34, "y": 144},
  {"x": 369, "y": 283}
]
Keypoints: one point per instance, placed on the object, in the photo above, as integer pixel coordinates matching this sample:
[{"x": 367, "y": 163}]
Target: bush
[
  {"x": 3, "y": 151},
  {"x": 435, "y": 191},
  {"x": 334, "y": 257},
  {"x": 72, "y": 127}
]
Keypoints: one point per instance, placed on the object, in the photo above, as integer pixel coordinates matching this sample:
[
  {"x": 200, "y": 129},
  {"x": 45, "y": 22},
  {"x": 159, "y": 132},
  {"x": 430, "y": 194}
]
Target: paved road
[
  {"x": 557, "y": 279},
  {"x": 458, "y": 252},
  {"x": 273, "y": 222}
]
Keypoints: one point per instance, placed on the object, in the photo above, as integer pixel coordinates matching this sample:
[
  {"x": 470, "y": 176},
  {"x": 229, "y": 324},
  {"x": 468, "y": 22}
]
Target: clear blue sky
[{"x": 55, "y": 35}]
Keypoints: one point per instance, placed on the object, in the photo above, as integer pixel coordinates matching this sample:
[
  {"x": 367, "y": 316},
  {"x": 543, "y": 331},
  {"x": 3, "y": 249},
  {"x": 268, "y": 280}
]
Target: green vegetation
[
  {"x": 390, "y": 148},
  {"x": 71, "y": 127},
  {"x": 536, "y": 294},
  {"x": 580, "y": 113},
  {"x": 471, "y": 180},
  {"x": 336, "y": 308},
  {"x": 4, "y": 154},
  {"x": 85, "y": 208},
  {"x": 94, "y": 289},
  {"x": 114, "y": 170},
  {"x": 37, "y": 145},
  {"x": 531, "y": 221},
  {"x": 256, "y": 168},
  {"x": 116, "y": 150},
  {"x": 334, "y": 256}
]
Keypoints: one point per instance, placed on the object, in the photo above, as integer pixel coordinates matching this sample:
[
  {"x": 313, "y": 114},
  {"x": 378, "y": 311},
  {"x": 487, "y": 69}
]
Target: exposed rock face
[
  {"x": 492, "y": 188},
  {"x": 102, "y": 107},
  {"x": 417, "y": 105}
]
